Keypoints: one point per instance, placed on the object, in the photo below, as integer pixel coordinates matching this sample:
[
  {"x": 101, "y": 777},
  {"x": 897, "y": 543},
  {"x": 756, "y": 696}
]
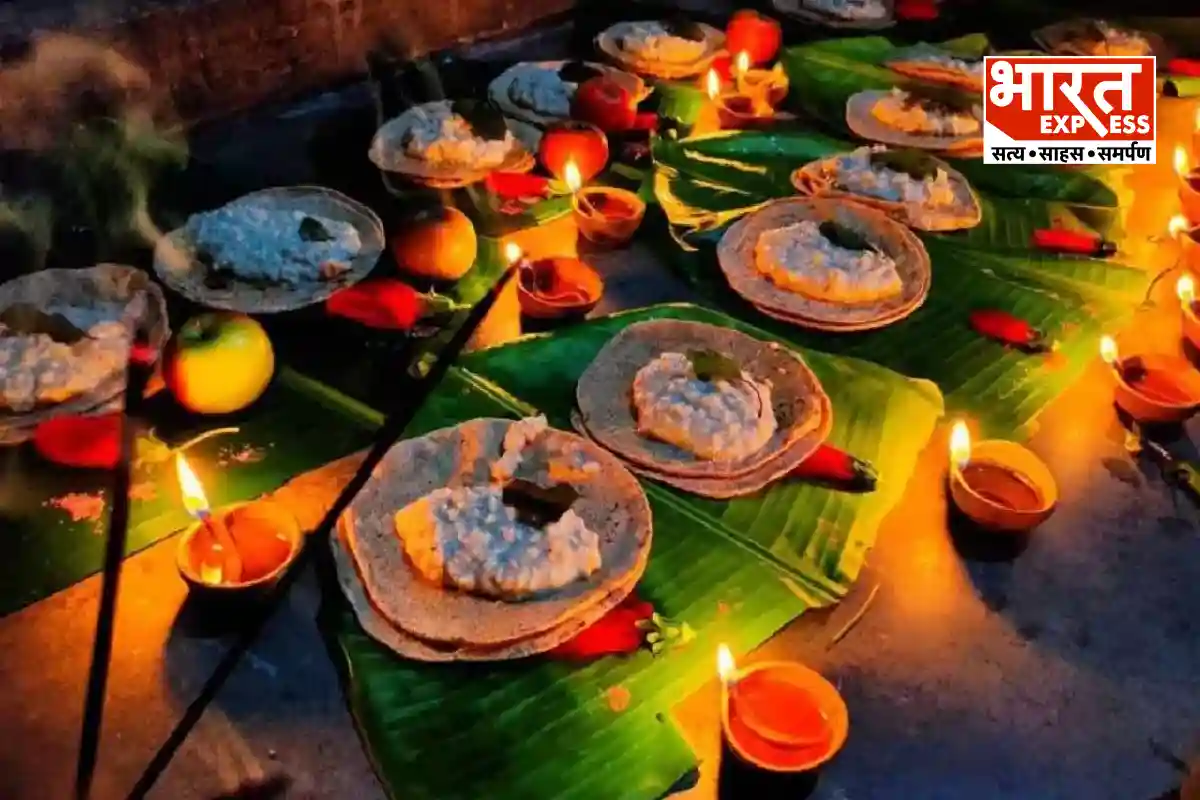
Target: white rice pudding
[
  {"x": 849, "y": 9},
  {"x": 799, "y": 258},
  {"x": 540, "y": 89},
  {"x": 468, "y": 539},
  {"x": 262, "y": 242},
  {"x": 651, "y": 41},
  {"x": 439, "y": 136},
  {"x": 717, "y": 421},
  {"x": 34, "y": 368},
  {"x": 899, "y": 112},
  {"x": 856, "y": 173}
]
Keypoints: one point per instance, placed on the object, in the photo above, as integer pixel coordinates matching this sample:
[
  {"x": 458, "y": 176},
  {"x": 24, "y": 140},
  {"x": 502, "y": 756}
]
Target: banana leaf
[
  {"x": 734, "y": 572},
  {"x": 704, "y": 184}
]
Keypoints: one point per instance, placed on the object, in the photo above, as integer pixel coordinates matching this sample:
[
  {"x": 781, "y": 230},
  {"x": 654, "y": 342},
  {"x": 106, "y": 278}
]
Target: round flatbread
[
  {"x": 500, "y": 91},
  {"x": 1071, "y": 37},
  {"x": 751, "y": 482},
  {"x": 610, "y": 43},
  {"x": 735, "y": 254},
  {"x": 388, "y": 153},
  {"x": 104, "y": 284},
  {"x": 919, "y": 62},
  {"x": 610, "y": 502},
  {"x": 865, "y": 125},
  {"x": 177, "y": 265},
  {"x": 820, "y": 179},
  {"x": 603, "y": 395},
  {"x": 797, "y": 9}
]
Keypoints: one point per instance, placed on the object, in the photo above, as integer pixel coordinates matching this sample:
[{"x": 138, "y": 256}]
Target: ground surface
[{"x": 1063, "y": 674}]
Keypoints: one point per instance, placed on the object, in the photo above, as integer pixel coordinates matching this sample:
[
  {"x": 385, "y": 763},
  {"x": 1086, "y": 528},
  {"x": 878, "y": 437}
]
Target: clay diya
[
  {"x": 1186, "y": 290},
  {"x": 1000, "y": 486},
  {"x": 744, "y": 111},
  {"x": 768, "y": 85},
  {"x": 1189, "y": 186},
  {"x": 557, "y": 287},
  {"x": 1154, "y": 387},
  {"x": 238, "y": 549},
  {"x": 604, "y": 215},
  {"x": 780, "y": 716},
  {"x": 1188, "y": 237}
]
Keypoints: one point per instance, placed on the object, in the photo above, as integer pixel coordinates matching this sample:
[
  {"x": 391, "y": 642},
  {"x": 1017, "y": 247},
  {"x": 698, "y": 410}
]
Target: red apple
[
  {"x": 218, "y": 363},
  {"x": 604, "y": 103},
  {"x": 580, "y": 142},
  {"x": 756, "y": 35}
]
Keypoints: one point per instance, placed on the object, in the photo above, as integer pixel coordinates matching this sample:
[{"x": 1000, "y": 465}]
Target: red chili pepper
[
  {"x": 916, "y": 10},
  {"x": 81, "y": 442},
  {"x": 616, "y": 633},
  {"x": 828, "y": 464},
  {"x": 516, "y": 185},
  {"x": 1184, "y": 66},
  {"x": 1059, "y": 240},
  {"x": 382, "y": 303},
  {"x": 1008, "y": 329}
]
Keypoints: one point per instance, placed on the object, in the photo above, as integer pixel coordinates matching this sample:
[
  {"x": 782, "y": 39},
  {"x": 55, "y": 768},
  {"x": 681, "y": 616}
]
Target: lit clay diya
[
  {"x": 780, "y": 716},
  {"x": 769, "y": 85},
  {"x": 554, "y": 288},
  {"x": 1155, "y": 387},
  {"x": 1189, "y": 187},
  {"x": 1186, "y": 289},
  {"x": 266, "y": 537},
  {"x": 742, "y": 111},
  {"x": 998, "y": 485},
  {"x": 1188, "y": 236},
  {"x": 606, "y": 215}
]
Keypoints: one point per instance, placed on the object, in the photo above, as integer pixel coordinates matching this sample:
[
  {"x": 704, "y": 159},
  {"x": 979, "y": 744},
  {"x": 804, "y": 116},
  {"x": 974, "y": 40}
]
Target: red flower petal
[{"x": 616, "y": 633}]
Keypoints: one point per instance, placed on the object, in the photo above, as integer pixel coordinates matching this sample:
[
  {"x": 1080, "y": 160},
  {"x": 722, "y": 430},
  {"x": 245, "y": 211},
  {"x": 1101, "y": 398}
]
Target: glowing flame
[
  {"x": 571, "y": 176},
  {"x": 713, "y": 84},
  {"x": 1108, "y": 350},
  {"x": 1186, "y": 289},
  {"x": 726, "y": 667},
  {"x": 1177, "y": 225},
  {"x": 194, "y": 501},
  {"x": 742, "y": 63},
  {"x": 512, "y": 252},
  {"x": 960, "y": 445},
  {"x": 1181, "y": 161}
]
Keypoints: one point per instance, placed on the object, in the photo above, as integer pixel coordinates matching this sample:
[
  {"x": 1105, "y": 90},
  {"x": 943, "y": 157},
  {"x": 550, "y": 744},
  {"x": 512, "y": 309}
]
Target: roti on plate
[
  {"x": 273, "y": 250},
  {"x": 922, "y": 117},
  {"x": 700, "y": 402},
  {"x": 447, "y": 556},
  {"x": 447, "y": 144},
  {"x": 934, "y": 64},
  {"x": 668, "y": 49},
  {"x": 1096, "y": 37},
  {"x": 866, "y": 15},
  {"x": 826, "y": 264},
  {"x": 911, "y": 186},
  {"x": 540, "y": 92}
]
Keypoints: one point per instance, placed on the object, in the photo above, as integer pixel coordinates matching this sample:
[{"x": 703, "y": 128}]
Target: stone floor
[{"x": 1070, "y": 672}]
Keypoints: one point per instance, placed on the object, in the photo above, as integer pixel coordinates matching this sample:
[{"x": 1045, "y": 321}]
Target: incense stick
[
  {"x": 392, "y": 429},
  {"x": 139, "y": 367}
]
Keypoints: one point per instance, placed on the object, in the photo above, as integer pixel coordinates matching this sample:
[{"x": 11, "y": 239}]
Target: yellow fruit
[
  {"x": 219, "y": 363},
  {"x": 440, "y": 245}
]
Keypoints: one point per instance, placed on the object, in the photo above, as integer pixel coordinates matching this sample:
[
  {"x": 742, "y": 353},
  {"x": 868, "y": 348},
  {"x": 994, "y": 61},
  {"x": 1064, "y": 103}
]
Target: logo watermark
[{"x": 1069, "y": 110}]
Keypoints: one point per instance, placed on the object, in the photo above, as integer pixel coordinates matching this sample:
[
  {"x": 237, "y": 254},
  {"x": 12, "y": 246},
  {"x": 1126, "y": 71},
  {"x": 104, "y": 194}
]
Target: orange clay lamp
[{"x": 1000, "y": 486}]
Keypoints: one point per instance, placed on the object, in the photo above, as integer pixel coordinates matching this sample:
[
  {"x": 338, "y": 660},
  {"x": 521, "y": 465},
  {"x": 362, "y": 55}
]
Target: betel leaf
[
  {"x": 538, "y": 505},
  {"x": 577, "y": 72},
  {"x": 684, "y": 27},
  {"x": 484, "y": 118},
  {"x": 311, "y": 230},
  {"x": 915, "y": 163},
  {"x": 711, "y": 366},
  {"x": 25, "y": 319},
  {"x": 843, "y": 237}
]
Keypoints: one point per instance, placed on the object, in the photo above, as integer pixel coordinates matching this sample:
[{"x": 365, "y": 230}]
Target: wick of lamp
[{"x": 231, "y": 567}]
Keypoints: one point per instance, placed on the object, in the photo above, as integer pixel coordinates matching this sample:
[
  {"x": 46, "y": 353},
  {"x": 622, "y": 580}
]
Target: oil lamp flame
[
  {"x": 960, "y": 445},
  {"x": 512, "y": 252},
  {"x": 742, "y": 63},
  {"x": 725, "y": 665},
  {"x": 1177, "y": 225},
  {"x": 1186, "y": 289},
  {"x": 1108, "y": 350},
  {"x": 1181, "y": 161},
  {"x": 571, "y": 176},
  {"x": 194, "y": 501},
  {"x": 713, "y": 84}
]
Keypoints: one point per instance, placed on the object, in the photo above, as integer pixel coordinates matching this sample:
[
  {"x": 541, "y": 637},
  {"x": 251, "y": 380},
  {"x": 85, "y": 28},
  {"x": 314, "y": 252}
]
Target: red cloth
[
  {"x": 381, "y": 303},
  {"x": 616, "y": 633},
  {"x": 916, "y": 10}
]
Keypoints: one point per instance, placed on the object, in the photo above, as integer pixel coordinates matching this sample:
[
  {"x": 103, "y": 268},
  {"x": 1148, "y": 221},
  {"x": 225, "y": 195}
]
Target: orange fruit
[{"x": 439, "y": 244}]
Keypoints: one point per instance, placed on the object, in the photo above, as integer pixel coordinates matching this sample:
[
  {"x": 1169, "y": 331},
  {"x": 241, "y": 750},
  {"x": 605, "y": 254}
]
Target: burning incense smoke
[{"x": 83, "y": 136}]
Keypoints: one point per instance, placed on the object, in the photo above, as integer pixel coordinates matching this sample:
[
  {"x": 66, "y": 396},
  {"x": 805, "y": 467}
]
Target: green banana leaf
[
  {"x": 47, "y": 550},
  {"x": 733, "y": 572},
  {"x": 703, "y": 184}
]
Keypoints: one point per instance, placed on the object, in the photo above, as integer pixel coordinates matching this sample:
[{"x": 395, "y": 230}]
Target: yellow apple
[{"x": 219, "y": 363}]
